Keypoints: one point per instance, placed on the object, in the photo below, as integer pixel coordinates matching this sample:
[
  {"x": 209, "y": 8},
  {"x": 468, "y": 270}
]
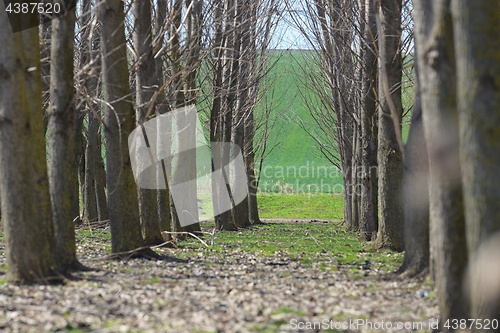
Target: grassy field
[
  {"x": 296, "y": 164},
  {"x": 313, "y": 206}
]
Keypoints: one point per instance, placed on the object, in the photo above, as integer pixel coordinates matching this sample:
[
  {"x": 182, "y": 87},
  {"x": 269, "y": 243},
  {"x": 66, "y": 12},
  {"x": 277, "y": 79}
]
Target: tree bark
[
  {"x": 416, "y": 191},
  {"x": 436, "y": 57},
  {"x": 163, "y": 196},
  {"x": 119, "y": 123},
  {"x": 242, "y": 35},
  {"x": 62, "y": 167},
  {"x": 390, "y": 157},
  {"x": 356, "y": 140},
  {"x": 145, "y": 80},
  {"x": 24, "y": 188},
  {"x": 477, "y": 54},
  {"x": 368, "y": 220}
]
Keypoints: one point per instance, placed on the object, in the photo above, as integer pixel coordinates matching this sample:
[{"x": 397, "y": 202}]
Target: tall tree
[
  {"x": 145, "y": 81},
  {"x": 238, "y": 82},
  {"x": 390, "y": 156},
  {"x": 24, "y": 188},
  {"x": 241, "y": 210},
  {"x": 368, "y": 219},
  {"x": 163, "y": 198},
  {"x": 61, "y": 128},
  {"x": 118, "y": 124},
  {"x": 477, "y": 53},
  {"x": 436, "y": 57}
]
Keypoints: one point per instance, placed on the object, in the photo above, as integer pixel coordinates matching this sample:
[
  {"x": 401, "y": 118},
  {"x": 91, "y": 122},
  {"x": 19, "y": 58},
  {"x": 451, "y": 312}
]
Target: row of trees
[
  {"x": 436, "y": 197},
  {"x": 359, "y": 99},
  {"x": 98, "y": 72}
]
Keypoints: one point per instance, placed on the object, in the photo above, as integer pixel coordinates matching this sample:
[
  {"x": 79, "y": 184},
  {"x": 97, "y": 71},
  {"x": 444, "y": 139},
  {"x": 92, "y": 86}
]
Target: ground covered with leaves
[{"x": 282, "y": 276}]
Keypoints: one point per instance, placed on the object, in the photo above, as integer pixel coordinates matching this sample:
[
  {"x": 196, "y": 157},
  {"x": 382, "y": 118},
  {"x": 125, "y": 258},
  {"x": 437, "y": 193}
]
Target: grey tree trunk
[
  {"x": 243, "y": 106},
  {"x": 194, "y": 33},
  {"x": 24, "y": 188},
  {"x": 102, "y": 200},
  {"x": 62, "y": 168},
  {"x": 355, "y": 164},
  {"x": 368, "y": 219},
  {"x": 240, "y": 76},
  {"x": 225, "y": 220},
  {"x": 145, "y": 80},
  {"x": 119, "y": 123},
  {"x": 390, "y": 157},
  {"x": 89, "y": 187},
  {"x": 477, "y": 44},
  {"x": 345, "y": 137},
  {"x": 416, "y": 191},
  {"x": 163, "y": 196},
  {"x": 436, "y": 57}
]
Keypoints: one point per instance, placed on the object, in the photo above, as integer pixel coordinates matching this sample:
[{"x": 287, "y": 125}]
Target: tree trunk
[
  {"x": 163, "y": 196},
  {"x": 243, "y": 107},
  {"x": 354, "y": 178},
  {"x": 24, "y": 188},
  {"x": 89, "y": 187},
  {"x": 145, "y": 79},
  {"x": 61, "y": 128},
  {"x": 119, "y": 123},
  {"x": 240, "y": 76},
  {"x": 345, "y": 140},
  {"x": 224, "y": 221},
  {"x": 193, "y": 40},
  {"x": 390, "y": 157},
  {"x": 436, "y": 59},
  {"x": 216, "y": 111},
  {"x": 477, "y": 54},
  {"x": 368, "y": 220},
  {"x": 416, "y": 191},
  {"x": 102, "y": 200}
]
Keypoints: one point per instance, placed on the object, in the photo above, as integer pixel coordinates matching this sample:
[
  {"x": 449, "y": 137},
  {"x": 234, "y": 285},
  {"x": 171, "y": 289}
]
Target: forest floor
[{"x": 283, "y": 276}]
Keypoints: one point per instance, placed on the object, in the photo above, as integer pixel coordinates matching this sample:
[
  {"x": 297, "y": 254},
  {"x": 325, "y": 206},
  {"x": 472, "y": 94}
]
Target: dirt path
[{"x": 208, "y": 291}]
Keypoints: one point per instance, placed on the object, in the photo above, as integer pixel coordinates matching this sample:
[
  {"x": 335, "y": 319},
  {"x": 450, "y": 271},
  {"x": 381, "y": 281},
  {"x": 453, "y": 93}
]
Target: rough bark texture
[
  {"x": 24, "y": 188},
  {"x": 477, "y": 54},
  {"x": 416, "y": 191},
  {"x": 390, "y": 156},
  {"x": 240, "y": 211},
  {"x": 368, "y": 219},
  {"x": 145, "y": 79},
  {"x": 119, "y": 123},
  {"x": 436, "y": 56},
  {"x": 61, "y": 129}
]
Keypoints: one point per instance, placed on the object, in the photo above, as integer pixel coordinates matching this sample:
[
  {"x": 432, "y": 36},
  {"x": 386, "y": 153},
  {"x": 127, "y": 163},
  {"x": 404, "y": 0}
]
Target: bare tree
[
  {"x": 368, "y": 219},
  {"x": 145, "y": 80},
  {"x": 24, "y": 188},
  {"x": 118, "y": 123},
  {"x": 390, "y": 154},
  {"x": 61, "y": 128}
]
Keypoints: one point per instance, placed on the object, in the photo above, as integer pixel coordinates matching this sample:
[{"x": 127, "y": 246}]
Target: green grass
[
  {"x": 314, "y": 246},
  {"x": 314, "y": 206},
  {"x": 296, "y": 160}
]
